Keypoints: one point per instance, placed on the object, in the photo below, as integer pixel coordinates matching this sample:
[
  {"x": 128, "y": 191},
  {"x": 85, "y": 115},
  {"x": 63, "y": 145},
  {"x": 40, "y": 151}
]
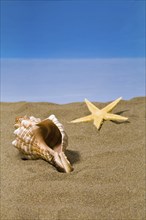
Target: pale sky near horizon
[{"x": 65, "y": 51}]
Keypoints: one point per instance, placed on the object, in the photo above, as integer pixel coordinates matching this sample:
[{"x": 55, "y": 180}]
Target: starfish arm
[
  {"x": 83, "y": 119},
  {"x": 98, "y": 122},
  {"x": 110, "y": 107},
  {"x": 92, "y": 108},
  {"x": 115, "y": 117}
]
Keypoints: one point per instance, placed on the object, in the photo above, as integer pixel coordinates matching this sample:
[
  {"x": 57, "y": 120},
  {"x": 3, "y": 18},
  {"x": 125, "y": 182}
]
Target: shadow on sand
[{"x": 73, "y": 156}]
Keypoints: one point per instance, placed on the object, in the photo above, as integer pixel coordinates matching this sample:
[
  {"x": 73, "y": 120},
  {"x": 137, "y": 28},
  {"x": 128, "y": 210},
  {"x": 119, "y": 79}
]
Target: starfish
[{"x": 98, "y": 116}]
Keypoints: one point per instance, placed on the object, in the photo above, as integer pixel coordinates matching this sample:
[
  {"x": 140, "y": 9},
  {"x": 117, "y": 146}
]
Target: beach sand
[{"x": 108, "y": 181}]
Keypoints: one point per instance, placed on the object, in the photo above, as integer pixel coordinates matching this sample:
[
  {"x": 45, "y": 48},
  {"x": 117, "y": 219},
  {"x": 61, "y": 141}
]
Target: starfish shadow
[
  {"x": 98, "y": 131},
  {"x": 121, "y": 122},
  {"x": 119, "y": 113}
]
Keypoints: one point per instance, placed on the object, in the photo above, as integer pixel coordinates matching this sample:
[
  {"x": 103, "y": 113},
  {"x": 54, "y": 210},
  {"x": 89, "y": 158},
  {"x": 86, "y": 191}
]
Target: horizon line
[{"x": 49, "y": 102}]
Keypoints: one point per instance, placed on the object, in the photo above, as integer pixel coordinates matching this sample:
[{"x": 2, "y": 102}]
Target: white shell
[{"x": 30, "y": 148}]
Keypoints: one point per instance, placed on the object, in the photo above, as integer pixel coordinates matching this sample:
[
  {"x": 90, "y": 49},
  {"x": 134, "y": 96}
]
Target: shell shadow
[{"x": 73, "y": 156}]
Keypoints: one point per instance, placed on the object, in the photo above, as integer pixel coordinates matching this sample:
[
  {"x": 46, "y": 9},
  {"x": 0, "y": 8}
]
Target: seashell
[{"x": 45, "y": 139}]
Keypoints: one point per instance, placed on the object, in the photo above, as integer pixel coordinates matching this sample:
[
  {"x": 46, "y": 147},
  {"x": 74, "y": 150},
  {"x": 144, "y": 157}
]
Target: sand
[{"x": 108, "y": 181}]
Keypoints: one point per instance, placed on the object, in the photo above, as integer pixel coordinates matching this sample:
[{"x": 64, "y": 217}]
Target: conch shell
[{"x": 44, "y": 139}]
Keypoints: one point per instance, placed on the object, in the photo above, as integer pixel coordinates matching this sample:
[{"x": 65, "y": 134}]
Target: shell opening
[{"x": 49, "y": 133}]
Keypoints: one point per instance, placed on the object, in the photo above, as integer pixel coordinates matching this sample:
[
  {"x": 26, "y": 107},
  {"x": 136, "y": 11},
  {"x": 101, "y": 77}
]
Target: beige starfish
[{"x": 98, "y": 116}]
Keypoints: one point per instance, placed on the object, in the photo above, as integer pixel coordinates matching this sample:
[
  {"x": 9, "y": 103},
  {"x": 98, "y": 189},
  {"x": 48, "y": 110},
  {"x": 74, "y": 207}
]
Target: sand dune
[{"x": 108, "y": 181}]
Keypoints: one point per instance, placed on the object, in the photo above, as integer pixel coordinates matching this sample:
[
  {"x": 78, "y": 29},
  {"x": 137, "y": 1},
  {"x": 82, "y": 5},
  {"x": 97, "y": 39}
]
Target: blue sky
[{"x": 72, "y": 50}]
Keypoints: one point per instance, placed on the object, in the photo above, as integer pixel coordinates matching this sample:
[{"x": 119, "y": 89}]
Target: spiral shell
[{"x": 45, "y": 139}]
